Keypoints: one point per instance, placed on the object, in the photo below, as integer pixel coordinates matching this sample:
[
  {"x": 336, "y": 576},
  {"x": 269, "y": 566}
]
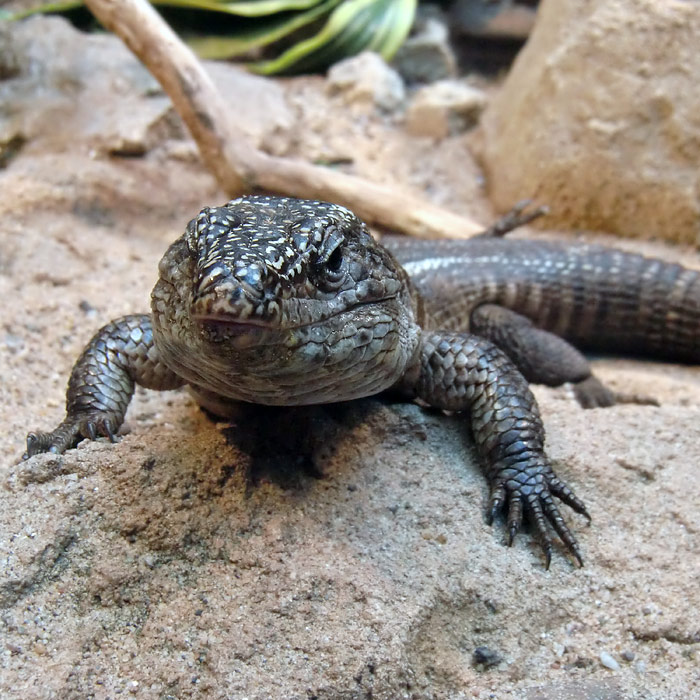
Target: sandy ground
[{"x": 182, "y": 563}]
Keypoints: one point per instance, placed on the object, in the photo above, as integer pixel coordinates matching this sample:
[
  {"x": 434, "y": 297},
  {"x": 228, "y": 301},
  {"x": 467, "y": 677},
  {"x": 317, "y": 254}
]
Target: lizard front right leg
[
  {"x": 120, "y": 355},
  {"x": 463, "y": 372}
]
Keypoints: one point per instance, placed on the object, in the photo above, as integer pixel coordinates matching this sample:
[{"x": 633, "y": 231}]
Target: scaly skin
[
  {"x": 287, "y": 302},
  {"x": 534, "y": 298}
]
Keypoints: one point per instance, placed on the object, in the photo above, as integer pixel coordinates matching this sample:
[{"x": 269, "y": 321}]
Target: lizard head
[{"x": 279, "y": 300}]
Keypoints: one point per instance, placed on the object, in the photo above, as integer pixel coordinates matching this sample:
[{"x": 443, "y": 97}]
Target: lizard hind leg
[{"x": 545, "y": 358}]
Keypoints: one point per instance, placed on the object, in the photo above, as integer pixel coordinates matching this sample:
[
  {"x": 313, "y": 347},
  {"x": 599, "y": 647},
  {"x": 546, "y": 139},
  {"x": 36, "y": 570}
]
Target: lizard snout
[
  {"x": 253, "y": 279},
  {"x": 241, "y": 293}
]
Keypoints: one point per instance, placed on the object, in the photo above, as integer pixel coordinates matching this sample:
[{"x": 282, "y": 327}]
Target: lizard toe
[{"x": 70, "y": 432}]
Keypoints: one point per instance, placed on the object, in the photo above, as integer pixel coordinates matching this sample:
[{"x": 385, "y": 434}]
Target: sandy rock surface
[
  {"x": 189, "y": 562},
  {"x": 600, "y": 116}
]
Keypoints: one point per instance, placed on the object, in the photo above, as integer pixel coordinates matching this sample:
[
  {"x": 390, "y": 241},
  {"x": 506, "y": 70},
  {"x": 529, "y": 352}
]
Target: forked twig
[{"x": 238, "y": 166}]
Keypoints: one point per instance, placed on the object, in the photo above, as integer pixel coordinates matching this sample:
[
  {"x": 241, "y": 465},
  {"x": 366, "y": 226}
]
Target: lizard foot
[
  {"x": 592, "y": 393},
  {"x": 71, "y": 431},
  {"x": 529, "y": 490}
]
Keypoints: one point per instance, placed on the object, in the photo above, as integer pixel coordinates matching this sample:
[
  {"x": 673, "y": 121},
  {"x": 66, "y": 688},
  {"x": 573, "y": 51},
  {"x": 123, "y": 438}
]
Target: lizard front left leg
[
  {"x": 101, "y": 385},
  {"x": 459, "y": 372}
]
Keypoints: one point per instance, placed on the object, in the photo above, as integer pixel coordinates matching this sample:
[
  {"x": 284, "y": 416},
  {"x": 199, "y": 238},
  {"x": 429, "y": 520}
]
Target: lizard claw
[
  {"x": 108, "y": 426},
  {"x": 498, "y": 496},
  {"x": 70, "y": 432},
  {"x": 515, "y": 518},
  {"x": 530, "y": 493}
]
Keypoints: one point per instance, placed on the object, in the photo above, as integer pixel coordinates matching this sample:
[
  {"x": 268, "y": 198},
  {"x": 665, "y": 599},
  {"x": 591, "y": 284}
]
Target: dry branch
[{"x": 237, "y": 165}]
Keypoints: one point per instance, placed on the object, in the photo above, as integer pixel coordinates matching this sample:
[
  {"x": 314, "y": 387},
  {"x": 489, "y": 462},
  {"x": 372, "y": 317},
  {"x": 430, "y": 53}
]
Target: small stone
[
  {"x": 627, "y": 655},
  {"x": 609, "y": 661},
  {"x": 581, "y": 662},
  {"x": 86, "y": 307},
  {"x": 486, "y": 656},
  {"x": 367, "y": 79},
  {"x": 426, "y": 56},
  {"x": 444, "y": 108},
  {"x": 13, "y": 342}
]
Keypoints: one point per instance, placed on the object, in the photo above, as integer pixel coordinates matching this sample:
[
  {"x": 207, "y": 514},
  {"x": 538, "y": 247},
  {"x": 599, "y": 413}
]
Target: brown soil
[{"x": 171, "y": 565}]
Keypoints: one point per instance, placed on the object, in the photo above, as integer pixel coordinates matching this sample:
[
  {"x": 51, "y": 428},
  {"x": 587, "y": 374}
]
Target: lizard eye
[
  {"x": 335, "y": 261},
  {"x": 331, "y": 265}
]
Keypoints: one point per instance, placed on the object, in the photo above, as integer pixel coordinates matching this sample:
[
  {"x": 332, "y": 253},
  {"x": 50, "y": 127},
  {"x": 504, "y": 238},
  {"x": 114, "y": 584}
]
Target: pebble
[
  {"x": 367, "y": 78},
  {"x": 444, "y": 108},
  {"x": 426, "y": 56},
  {"x": 609, "y": 661},
  {"x": 486, "y": 656}
]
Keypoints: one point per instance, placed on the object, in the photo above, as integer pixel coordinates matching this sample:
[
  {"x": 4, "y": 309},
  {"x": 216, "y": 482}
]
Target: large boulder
[{"x": 600, "y": 119}]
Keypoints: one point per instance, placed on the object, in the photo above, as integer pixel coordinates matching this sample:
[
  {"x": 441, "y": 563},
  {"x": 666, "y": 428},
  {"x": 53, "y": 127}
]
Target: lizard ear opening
[{"x": 191, "y": 238}]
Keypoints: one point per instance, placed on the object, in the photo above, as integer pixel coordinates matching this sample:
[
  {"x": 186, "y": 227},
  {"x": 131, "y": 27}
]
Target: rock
[
  {"x": 426, "y": 56},
  {"x": 366, "y": 79},
  {"x": 105, "y": 102},
  {"x": 494, "y": 19},
  {"x": 600, "y": 119},
  {"x": 258, "y": 105},
  {"x": 105, "y": 83},
  {"x": 444, "y": 108},
  {"x": 486, "y": 657},
  {"x": 608, "y": 660}
]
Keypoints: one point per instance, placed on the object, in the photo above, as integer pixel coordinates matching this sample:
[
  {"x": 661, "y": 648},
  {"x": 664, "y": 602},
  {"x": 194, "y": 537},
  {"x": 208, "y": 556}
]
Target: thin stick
[{"x": 237, "y": 165}]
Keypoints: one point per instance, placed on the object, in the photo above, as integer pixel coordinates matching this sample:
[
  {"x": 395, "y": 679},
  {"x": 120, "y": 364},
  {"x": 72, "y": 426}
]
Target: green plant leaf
[
  {"x": 352, "y": 26},
  {"x": 262, "y": 34},
  {"x": 243, "y": 8},
  {"x": 48, "y": 7},
  {"x": 355, "y": 25}
]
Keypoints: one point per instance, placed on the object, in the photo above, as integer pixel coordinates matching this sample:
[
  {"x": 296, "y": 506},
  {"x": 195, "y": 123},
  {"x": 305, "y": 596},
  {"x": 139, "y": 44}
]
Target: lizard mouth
[{"x": 231, "y": 326}]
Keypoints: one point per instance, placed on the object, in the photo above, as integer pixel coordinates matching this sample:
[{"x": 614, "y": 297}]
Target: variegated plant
[{"x": 331, "y": 29}]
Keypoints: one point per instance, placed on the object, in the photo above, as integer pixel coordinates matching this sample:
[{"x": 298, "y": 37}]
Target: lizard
[{"x": 287, "y": 302}]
